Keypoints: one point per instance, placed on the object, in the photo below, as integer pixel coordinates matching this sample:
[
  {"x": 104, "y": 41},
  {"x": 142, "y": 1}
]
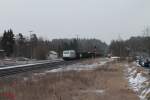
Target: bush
[{"x": 40, "y": 52}]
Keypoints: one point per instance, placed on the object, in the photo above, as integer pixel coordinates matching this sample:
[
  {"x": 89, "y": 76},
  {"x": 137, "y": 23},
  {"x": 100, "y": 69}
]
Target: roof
[{"x": 53, "y": 52}]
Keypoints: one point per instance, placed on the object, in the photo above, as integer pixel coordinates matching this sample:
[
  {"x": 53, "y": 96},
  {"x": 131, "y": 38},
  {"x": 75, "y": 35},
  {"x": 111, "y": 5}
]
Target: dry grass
[{"x": 68, "y": 85}]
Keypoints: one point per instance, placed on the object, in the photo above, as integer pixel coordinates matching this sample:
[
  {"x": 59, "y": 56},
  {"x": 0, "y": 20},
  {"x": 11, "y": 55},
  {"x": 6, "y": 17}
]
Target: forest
[
  {"x": 35, "y": 47},
  {"x": 134, "y": 46}
]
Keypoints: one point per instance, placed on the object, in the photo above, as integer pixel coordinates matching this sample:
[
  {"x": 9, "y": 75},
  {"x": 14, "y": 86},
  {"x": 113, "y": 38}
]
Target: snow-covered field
[{"x": 139, "y": 80}]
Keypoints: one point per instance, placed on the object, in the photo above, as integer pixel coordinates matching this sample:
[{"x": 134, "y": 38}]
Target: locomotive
[
  {"x": 69, "y": 55},
  {"x": 72, "y": 55}
]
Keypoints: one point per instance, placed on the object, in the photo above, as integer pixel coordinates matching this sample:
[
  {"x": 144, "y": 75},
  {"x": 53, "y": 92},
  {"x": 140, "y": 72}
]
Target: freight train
[{"x": 72, "y": 55}]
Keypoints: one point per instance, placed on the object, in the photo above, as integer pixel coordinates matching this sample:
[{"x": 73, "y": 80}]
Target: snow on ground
[
  {"x": 79, "y": 66},
  {"x": 93, "y": 91},
  {"x": 139, "y": 81}
]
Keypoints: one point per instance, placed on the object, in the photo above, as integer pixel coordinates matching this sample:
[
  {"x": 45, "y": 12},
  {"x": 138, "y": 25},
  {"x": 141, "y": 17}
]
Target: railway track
[{"x": 6, "y": 71}]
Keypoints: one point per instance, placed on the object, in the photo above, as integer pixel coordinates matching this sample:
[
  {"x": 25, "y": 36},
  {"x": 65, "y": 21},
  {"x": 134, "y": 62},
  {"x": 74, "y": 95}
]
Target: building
[{"x": 52, "y": 55}]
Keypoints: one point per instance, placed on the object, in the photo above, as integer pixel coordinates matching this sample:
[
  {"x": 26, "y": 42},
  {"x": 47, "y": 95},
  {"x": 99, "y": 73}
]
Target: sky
[{"x": 101, "y": 19}]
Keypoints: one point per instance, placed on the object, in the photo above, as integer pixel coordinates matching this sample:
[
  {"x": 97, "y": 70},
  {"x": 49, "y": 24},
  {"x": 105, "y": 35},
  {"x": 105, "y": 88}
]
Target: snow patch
[
  {"x": 39, "y": 74},
  {"x": 25, "y": 78},
  {"x": 138, "y": 82},
  {"x": 144, "y": 93},
  {"x": 93, "y": 91},
  {"x": 78, "y": 67}
]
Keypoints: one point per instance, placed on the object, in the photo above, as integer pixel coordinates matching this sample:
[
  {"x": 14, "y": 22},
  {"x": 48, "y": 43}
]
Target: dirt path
[{"x": 103, "y": 83}]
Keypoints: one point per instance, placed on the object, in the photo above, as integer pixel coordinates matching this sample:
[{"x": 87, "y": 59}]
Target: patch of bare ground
[{"x": 104, "y": 83}]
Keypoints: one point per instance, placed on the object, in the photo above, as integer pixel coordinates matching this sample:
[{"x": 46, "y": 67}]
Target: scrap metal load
[{"x": 72, "y": 55}]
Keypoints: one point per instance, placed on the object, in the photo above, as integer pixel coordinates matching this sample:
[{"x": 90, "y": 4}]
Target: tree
[
  {"x": 8, "y": 42},
  {"x": 119, "y": 48},
  {"x": 21, "y": 44},
  {"x": 33, "y": 44},
  {"x": 41, "y": 52},
  {"x": 74, "y": 45}
]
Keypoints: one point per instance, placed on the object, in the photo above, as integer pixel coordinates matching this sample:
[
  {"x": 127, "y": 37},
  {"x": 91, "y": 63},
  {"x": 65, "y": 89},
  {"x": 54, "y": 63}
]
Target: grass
[{"x": 68, "y": 85}]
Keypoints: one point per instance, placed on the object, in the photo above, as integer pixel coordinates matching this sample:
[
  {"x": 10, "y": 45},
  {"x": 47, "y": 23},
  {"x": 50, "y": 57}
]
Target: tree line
[
  {"x": 135, "y": 46},
  {"x": 35, "y": 47}
]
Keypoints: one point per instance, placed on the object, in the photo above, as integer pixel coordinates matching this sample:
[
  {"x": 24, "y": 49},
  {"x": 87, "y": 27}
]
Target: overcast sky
[{"x": 102, "y": 19}]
